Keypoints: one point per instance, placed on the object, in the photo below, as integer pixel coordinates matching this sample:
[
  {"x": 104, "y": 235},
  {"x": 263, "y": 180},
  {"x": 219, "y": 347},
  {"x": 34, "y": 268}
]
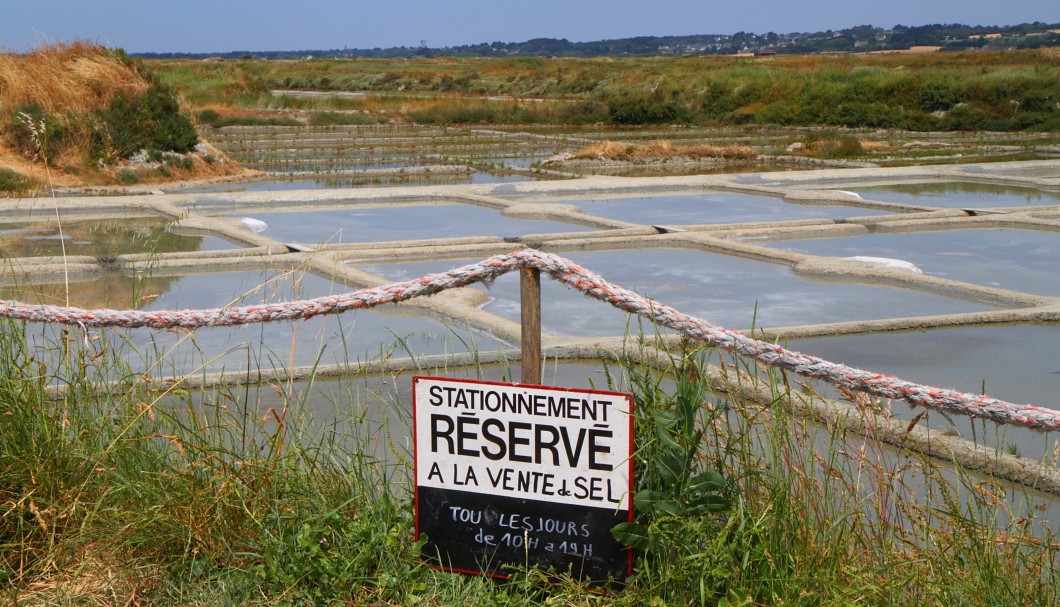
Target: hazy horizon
[{"x": 271, "y": 25}]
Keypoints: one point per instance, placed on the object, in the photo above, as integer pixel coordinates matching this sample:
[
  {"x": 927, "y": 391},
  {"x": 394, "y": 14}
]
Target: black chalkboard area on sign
[{"x": 499, "y": 535}]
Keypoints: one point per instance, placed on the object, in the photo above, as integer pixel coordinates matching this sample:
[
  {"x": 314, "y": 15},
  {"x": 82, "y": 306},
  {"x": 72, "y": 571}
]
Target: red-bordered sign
[{"x": 518, "y": 475}]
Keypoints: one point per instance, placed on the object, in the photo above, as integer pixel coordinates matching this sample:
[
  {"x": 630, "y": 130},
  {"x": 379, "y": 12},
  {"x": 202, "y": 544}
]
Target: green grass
[
  {"x": 343, "y": 118},
  {"x": 12, "y": 182},
  {"x": 132, "y": 493},
  {"x": 961, "y": 91}
]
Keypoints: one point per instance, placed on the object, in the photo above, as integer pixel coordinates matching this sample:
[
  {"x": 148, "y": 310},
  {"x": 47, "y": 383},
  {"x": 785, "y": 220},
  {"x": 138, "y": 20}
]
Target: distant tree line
[{"x": 862, "y": 38}]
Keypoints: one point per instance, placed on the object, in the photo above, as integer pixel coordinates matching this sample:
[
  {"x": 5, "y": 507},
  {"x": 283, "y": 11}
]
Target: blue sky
[{"x": 228, "y": 25}]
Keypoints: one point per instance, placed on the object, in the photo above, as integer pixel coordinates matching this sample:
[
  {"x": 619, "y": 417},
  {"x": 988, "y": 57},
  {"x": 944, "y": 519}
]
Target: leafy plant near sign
[{"x": 679, "y": 489}]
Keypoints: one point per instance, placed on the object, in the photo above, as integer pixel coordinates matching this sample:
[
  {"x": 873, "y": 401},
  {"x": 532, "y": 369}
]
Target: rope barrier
[{"x": 580, "y": 279}]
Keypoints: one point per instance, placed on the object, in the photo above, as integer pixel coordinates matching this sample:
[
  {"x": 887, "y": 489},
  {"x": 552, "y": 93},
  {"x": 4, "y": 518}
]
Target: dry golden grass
[
  {"x": 662, "y": 150},
  {"x": 69, "y": 83},
  {"x": 74, "y": 77},
  {"x": 14, "y": 161},
  {"x": 606, "y": 149}
]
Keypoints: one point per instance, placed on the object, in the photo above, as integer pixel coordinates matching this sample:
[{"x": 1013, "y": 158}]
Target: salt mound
[
  {"x": 887, "y": 261},
  {"x": 254, "y": 225}
]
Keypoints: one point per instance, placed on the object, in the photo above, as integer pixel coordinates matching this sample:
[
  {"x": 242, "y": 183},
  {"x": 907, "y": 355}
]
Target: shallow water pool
[
  {"x": 402, "y": 223},
  {"x": 1019, "y": 364},
  {"x": 1021, "y": 260},
  {"x": 100, "y": 238},
  {"x": 708, "y": 208},
  {"x": 353, "y": 336},
  {"x": 960, "y": 194},
  {"x": 729, "y": 291}
]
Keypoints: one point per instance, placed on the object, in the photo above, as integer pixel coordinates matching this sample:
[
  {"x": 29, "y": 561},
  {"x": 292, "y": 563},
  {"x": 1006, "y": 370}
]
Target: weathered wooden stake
[{"x": 530, "y": 316}]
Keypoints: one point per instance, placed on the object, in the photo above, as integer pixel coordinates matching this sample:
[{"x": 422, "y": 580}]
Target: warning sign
[{"x": 521, "y": 475}]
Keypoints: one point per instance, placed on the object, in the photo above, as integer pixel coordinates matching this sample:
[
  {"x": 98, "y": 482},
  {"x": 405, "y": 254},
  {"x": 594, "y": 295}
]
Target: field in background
[{"x": 998, "y": 91}]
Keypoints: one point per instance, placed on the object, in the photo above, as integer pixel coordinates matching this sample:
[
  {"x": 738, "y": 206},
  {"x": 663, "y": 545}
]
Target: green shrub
[
  {"x": 150, "y": 121},
  {"x": 10, "y": 181},
  {"x": 582, "y": 112},
  {"x": 341, "y": 118},
  {"x": 209, "y": 117},
  {"x": 178, "y": 162},
  {"x": 253, "y": 121},
  {"x": 461, "y": 113},
  {"x": 649, "y": 109},
  {"x": 127, "y": 177},
  {"x": 834, "y": 145},
  {"x": 935, "y": 96},
  {"x": 967, "y": 117},
  {"x": 36, "y": 134}
]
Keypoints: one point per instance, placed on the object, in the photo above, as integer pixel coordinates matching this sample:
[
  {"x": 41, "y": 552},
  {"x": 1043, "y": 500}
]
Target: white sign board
[{"x": 510, "y": 471}]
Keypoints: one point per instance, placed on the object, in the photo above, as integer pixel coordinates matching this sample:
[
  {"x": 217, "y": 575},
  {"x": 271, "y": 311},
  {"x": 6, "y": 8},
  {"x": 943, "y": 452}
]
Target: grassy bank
[
  {"x": 137, "y": 495},
  {"x": 79, "y": 112},
  {"x": 1001, "y": 91}
]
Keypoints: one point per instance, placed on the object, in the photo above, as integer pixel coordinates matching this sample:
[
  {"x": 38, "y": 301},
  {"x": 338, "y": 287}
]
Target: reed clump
[{"x": 658, "y": 151}]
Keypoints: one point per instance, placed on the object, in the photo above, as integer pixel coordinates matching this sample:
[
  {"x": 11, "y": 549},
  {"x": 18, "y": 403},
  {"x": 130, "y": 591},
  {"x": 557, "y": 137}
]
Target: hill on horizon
[{"x": 862, "y": 38}]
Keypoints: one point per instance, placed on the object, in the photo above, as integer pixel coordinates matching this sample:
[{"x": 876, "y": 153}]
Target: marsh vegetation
[{"x": 138, "y": 493}]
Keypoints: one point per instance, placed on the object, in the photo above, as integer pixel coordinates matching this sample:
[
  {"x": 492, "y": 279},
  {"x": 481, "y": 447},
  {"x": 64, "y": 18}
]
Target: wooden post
[{"x": 530, "y": 316}]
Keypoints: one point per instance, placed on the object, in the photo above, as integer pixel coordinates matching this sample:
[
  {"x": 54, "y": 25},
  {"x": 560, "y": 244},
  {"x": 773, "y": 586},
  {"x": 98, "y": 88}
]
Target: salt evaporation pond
[
  {"x": 1021, "y": 260},
  {"x": 350, "y": 337},
  {"x": 1016, "y": 363},
  {"x": 721, "y": 289},
  {"x": 326, "y": 181},
  {"x": 100, "y": 238},
  {"x": 406, "y": 222},
  {"x": 708, "y": 208},
  {"x": 959, "y": 194}
]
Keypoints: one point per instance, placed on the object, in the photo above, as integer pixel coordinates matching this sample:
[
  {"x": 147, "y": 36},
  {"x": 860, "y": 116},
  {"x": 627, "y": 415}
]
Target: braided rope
[{"x": 589, "y": 283}]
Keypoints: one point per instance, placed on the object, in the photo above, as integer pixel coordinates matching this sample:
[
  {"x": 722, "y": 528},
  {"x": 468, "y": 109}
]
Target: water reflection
[
  {"x": 401, "y": 223},
  {"x": 350, "y": 337},
  {"x": 1014, "y": 363},
  {"x": 960, "y": 194},
  {"x": 720, "y": 207},
  {"x": 729, "y": 291},
  {"x": 1021, "y": 260},
  {"x": 100, "y": 238}
]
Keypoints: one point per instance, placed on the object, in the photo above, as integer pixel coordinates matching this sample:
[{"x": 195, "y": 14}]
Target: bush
[
  {"x": 833, "y": 145},
  {"x": 253, "y": 121},
  {"x": 649, "y": 109},
  {"x": 209, "y": 117},
  {"x": 489, "y": 113},
  {"x": 10, "y": 181},
  {"x": 128, "y": 177},
  {"x": 152, "y": 121},
  {"x": 342, "y": 118},
  {"x": 583, "y": 112},
  {"x": 936, "y": 96},
  {"x": 178, "y": 161},
  {"x": 35, "y": 133}
]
